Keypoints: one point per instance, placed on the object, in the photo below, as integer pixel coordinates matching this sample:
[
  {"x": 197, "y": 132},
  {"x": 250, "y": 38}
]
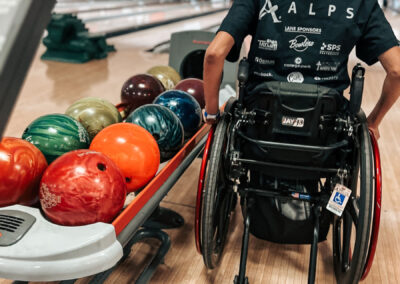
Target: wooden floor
[{"x": 51, "y": 87}]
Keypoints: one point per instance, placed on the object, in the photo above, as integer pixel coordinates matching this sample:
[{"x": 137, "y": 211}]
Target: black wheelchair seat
[{"x": 299, "y": 129}]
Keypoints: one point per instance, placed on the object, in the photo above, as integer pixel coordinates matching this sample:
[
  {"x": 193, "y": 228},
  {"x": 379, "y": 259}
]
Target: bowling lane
[
  {"x": 128, "y": 11},
  {"x": 111, "y": 25},
  {"x": 88, "y": 6}
]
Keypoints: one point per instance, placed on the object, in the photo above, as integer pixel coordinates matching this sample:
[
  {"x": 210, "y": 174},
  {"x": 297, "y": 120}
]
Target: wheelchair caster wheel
[{"x": 236, "y": 281}]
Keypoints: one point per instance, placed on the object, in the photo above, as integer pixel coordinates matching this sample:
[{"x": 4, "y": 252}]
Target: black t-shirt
[{"x": 306, "y": 41}]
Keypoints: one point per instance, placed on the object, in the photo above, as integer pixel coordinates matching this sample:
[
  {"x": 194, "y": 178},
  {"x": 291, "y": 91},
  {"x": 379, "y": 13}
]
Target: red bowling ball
[
  {"x": 82, "y": 187},
  {"x": 21, "y": 168},
  {"x": 139, "y": 90},
  {"x": 133, "y": 149},
  {"x": 194, "y": 87}
]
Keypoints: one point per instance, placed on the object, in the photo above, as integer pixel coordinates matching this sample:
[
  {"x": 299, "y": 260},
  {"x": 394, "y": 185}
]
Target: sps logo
[{"x": 270, "y": 10}]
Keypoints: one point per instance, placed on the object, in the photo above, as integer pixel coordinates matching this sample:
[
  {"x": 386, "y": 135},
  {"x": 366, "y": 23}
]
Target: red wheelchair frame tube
[
  {"x": 377, "y": 207},
  {"x": 200, "y": 187}
]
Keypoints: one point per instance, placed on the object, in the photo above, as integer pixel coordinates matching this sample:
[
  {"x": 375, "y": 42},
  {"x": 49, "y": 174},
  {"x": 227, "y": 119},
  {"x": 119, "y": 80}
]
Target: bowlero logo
[
  {"x": 270, "y": 10},
  {"x": 300, "y": 43},
  {"x": 295, "y": 77}
]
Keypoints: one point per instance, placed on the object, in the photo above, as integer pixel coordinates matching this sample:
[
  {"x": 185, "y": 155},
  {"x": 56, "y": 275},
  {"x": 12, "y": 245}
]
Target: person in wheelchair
[{"x": 293, "y": 148}]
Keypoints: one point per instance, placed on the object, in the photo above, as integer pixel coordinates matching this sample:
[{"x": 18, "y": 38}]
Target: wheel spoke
[{"x": 347, "y": 226}]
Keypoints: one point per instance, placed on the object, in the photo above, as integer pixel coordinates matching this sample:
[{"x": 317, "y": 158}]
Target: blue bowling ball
[
  {"x": 163, "y": 124},
  {"x": 185, "y": 107}
]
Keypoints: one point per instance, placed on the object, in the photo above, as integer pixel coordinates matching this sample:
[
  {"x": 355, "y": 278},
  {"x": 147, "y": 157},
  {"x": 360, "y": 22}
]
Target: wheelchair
[{"x": 289, "y": 152}]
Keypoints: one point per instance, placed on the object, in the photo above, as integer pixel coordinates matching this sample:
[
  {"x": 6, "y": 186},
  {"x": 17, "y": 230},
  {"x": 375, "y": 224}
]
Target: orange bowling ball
[
  {"x": 133, "y": 149},
  {"x": 21, "y": 168}
]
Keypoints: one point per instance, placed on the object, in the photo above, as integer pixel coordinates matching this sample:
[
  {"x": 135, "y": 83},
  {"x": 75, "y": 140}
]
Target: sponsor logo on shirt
[
  {"x": 263, "y": 61},
  {"x": 327, "y": 66},
  {"x": 300, "y": 43},
  {"x": 268, "y": 44},
  {"x": 268, "y": 8},
  {"x": 329, "y": 78},
  {"x": 331, "y": 10},
  {"x": 297, "y": 64},
  {"x": 263, "y": 74},
  {"x": 330, "y": 49},
  {"x": 295, "y": 77},
  {"x": 303, "y": 30}
]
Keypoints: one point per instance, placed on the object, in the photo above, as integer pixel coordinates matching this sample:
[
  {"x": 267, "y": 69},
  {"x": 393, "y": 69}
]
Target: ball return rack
[{"x": 34, "y": 249}]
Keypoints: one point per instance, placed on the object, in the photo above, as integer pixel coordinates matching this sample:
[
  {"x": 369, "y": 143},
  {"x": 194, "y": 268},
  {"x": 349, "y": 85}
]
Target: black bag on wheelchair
[{"x": 301, "y": 115}]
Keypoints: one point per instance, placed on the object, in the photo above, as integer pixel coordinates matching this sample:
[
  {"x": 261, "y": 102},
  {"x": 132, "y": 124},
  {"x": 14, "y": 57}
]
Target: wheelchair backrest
[{"x": 299, "y": 113}]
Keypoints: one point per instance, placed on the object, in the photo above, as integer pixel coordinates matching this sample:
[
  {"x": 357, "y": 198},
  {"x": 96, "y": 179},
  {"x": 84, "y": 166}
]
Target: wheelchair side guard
[
  {"x": 200, "y": 187},
  {"x": 377, "y": 207}
]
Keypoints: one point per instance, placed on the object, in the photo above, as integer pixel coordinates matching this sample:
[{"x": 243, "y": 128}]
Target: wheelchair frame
[{"x": 222, "y": 154}]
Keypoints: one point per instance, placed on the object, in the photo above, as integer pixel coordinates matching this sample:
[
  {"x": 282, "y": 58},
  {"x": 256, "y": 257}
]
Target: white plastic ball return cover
[{"x": 49, "y": 252}]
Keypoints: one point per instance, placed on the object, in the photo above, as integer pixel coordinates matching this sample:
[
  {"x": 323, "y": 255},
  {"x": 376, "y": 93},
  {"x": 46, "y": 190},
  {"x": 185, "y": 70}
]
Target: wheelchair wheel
[
  {"x": 351, "y": 232},
  {"x": 217, "y": 199}
]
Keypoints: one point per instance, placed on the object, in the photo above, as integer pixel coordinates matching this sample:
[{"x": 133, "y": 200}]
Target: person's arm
[
  {"x": 213, "y": 66},
  {"x": 390, "y": 61}
]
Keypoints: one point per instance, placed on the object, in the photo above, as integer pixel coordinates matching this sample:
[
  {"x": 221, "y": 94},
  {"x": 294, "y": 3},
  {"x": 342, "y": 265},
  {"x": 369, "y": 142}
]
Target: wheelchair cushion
[
  {"x": 299, "y": 114},
  {"x": 296, "y": 111}
]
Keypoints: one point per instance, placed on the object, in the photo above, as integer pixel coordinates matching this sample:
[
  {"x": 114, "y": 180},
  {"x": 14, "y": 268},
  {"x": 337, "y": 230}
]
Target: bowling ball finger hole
[
  {"x": 101, "y": 167},
  {"x": 128, "y": 180}
]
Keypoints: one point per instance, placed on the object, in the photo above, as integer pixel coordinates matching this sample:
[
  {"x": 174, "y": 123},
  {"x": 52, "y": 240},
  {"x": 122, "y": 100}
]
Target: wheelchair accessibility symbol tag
[{"x": 338, "y": 200}]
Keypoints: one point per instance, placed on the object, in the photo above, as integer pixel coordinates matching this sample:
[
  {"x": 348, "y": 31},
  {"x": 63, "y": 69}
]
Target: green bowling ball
[
  {"x": 94, "y": 114},
  {"x": 56, "y": 134}
]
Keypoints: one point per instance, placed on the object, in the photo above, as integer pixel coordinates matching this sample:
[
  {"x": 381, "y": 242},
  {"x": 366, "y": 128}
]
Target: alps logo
[
  {"x": 268, "y": 44},
  {"x": 263, "y": 61},
  {"x": 327, "y": 66},
  {"x": 268, "y": 8},
  {"x": 330, "y": 49},
  {"x": 293, "y": 121},
  {"x": 295, "y": 77},
  {"x": 300, "y": 43}
]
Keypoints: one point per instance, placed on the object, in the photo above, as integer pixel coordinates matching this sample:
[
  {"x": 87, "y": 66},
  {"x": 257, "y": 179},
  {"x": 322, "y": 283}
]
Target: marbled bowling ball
[
  {"x": 166, "y": 74},
  {"x": 185, "y": 107},
  {"x": 194, "y": 87},
  {"x": 21, "y": 168},
  {"x": 133, "y": 149},
  {"x": 140, "y": 90},
  {"x": 94, "y": 114},
  {"x": 56, "y": 134},
  {"x": 82, "y": 187},
  {"x": 163, "y": 124}
]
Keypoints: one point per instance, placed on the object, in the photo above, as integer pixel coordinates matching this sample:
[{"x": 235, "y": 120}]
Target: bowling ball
[
  {"x": 163, "y": 124},
  {"x": 194, "y": 87},
  {"x": 94, "y": 114},
  {"x": 21, "y": 168},
  {"x": 133, "y": 149},
  {"x": 140, "y": 90},
  {"x": 82, "y": 187},
  {"x": 166, "y": 74},
  {"x": 185, "y": 107},
  {"x": 56, "y": 134}
]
